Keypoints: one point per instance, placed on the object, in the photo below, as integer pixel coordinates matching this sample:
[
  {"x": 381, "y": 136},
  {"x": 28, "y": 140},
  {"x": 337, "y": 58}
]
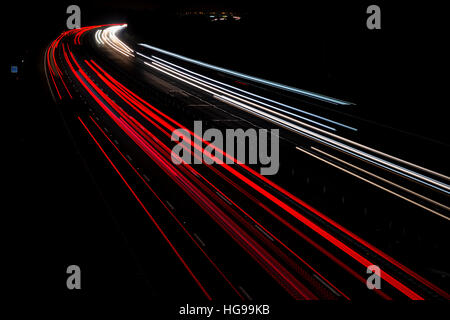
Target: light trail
[
  {"x": 243, "y": 93},
  {"x": 169, "y": 210},
  {"x": 397, "y": 169},
  {"x": 251, "y": 78},
  {"x": 226, "y": 92},
  {"x": 148, "y": 213}
]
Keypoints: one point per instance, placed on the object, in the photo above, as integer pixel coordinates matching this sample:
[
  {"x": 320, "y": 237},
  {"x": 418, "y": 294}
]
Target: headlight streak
[
  {"x": 432, "y": 183},
  {"x": 148, "y": 213},
  {"x": 251, "y": 78},
  {"x": 221, "y": 85},
  {"x": 98, "y": 37},
  {"x": 109, "y": 37},
  {"x": 224, "y": 91},
  {"x": 168, "y": 209},
  {"x": 377, "y": 185}
]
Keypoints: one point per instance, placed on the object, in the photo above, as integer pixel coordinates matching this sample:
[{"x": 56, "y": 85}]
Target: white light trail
[
  {"x": 430, "y": 182},
  {"x": 251, "y": 78},
  {"x": 110, "y": 38},
  {"x": 373, "y": 183},
  {"x": 215, "y": 89},
  {"x": 250, "y": 93}
]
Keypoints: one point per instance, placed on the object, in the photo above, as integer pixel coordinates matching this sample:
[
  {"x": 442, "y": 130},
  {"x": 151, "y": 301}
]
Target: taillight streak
[
  {"x": 148, "y": 213},
  {"x": 169, "y": 211}
]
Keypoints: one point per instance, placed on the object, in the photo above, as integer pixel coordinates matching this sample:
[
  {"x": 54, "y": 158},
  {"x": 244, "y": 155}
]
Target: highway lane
[{"x": 268, "y": 217}]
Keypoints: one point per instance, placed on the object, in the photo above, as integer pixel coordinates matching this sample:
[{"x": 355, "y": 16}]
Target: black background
[{"x": 398, "y": 76}]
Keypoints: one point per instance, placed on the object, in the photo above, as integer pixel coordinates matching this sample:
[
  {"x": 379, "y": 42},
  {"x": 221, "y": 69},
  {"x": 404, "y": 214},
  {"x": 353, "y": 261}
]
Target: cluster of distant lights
[
  {"x": 223, "y": 17},
  {"x": 215, "y": 15}
]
